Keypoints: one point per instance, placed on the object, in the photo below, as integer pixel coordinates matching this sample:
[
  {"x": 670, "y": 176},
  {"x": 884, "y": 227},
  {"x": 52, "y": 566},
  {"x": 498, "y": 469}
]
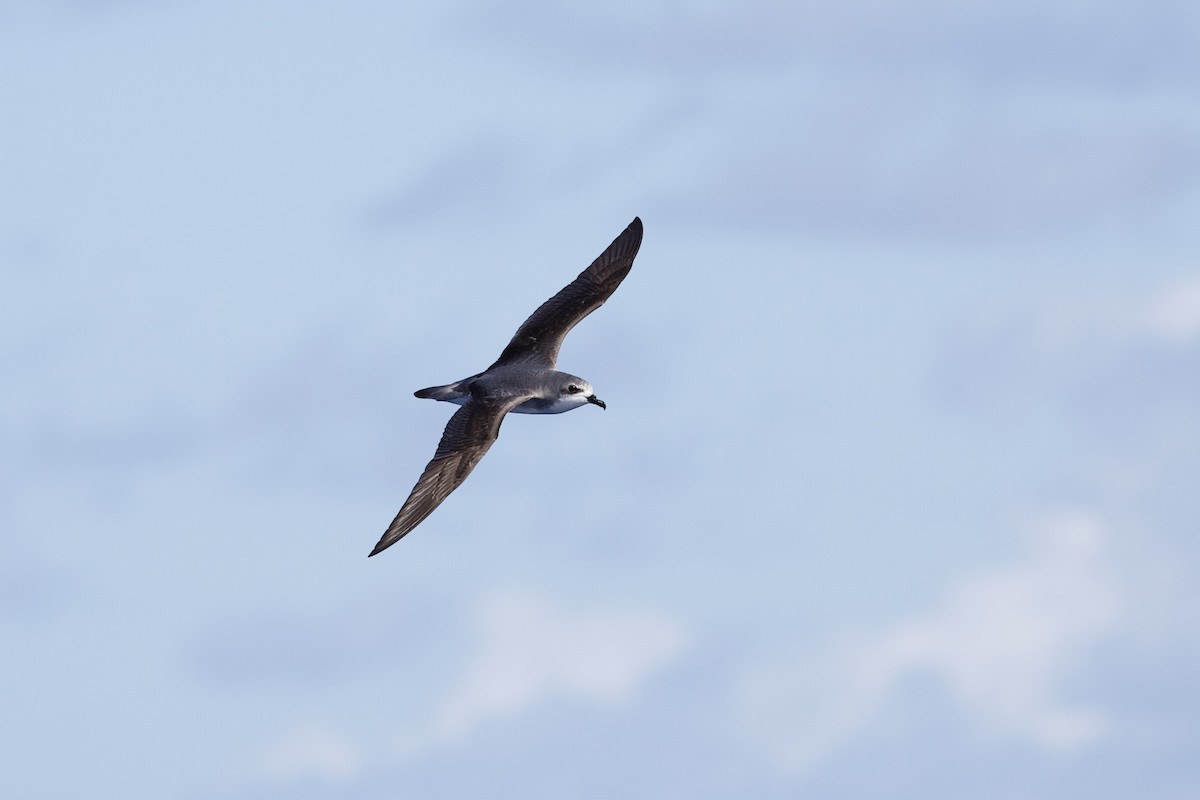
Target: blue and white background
[{"x": 897, "y": 495}]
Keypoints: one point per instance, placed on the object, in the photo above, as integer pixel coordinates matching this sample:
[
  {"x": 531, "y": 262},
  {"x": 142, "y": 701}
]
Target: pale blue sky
[{"x": 895, "y": 494}]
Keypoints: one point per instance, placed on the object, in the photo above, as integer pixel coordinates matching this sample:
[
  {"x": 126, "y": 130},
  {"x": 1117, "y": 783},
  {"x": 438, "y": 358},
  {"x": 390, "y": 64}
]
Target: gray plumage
[{"x": 522, "y": 380}]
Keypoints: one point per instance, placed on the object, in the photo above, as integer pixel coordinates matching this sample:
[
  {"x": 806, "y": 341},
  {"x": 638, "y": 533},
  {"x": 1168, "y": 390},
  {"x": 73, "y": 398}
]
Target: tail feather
[{"x": 449, "y": 392}]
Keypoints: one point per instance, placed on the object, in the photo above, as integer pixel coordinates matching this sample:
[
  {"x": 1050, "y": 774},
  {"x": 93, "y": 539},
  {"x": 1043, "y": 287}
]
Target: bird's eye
[{"x": 573, "y": 389}]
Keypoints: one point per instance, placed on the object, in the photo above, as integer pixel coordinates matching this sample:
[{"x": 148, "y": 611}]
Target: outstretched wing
[
  {"x": 468, "y": 435},
  {"x": 541, "y": 336}
]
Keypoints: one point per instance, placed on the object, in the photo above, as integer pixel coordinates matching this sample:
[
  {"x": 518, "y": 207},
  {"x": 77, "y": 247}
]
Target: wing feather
[
  {"x": 541, "y": 336},
  {"x": 467, "y": 437}
]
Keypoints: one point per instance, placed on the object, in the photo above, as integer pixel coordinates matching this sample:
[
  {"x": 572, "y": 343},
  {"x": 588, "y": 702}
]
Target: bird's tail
[{"x": 449, "y": 393}]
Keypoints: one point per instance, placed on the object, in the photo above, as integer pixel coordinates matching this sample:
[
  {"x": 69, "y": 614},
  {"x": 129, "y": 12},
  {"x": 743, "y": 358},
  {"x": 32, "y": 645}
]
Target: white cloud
[
  {"x": 1175, "y": 313},
  {"x": 311, "y": 751},
  {"x": 1001, "y": 643},
  {"x": 1119, "y": 366},
  {"x": 533, "y": 650},
  {"x": 1061, "y": 328},
  {"x": 529, "y": 651}
]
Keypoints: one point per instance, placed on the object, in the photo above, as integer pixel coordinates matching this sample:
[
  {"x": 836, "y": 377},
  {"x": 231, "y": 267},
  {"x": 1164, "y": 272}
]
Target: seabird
[{"x": 523, "y": 380}]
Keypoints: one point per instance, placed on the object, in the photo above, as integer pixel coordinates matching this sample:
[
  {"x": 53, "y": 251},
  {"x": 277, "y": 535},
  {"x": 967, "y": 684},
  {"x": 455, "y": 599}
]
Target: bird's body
[
  {"x": 523, "y": 380},
  {"x": 542, "y": 385}
]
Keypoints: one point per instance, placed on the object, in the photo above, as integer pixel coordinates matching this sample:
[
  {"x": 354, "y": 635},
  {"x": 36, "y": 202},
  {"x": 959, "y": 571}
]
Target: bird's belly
[
  {"x": 535, "y": 406},
  {"x": 539, "y": 406}
]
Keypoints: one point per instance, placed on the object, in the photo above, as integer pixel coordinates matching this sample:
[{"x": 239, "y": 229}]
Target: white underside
[{"x": 557, "y": 407}]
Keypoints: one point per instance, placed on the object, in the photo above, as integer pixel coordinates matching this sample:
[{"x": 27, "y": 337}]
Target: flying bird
[{"x": 523, "y": 380}]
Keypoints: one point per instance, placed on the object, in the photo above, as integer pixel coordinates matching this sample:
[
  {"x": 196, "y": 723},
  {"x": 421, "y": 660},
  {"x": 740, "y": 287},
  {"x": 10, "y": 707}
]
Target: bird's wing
[
  {"x": 540, "y": 337},
  {"x": 468, "y": 435}
]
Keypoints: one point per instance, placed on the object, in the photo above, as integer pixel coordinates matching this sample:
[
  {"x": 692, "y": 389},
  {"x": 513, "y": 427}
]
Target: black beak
[{"x": 596, "y": 401}]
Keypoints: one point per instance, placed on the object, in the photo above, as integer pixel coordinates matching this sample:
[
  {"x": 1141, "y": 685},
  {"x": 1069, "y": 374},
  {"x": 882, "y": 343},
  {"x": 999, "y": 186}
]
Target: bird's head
[{"x": 576, "y": 392}]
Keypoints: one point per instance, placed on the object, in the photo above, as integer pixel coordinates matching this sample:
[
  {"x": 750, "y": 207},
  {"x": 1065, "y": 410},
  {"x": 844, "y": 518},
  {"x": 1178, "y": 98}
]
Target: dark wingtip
[
  {"x": 626, "y": 245},
  {"x": 384, "y": 543}
]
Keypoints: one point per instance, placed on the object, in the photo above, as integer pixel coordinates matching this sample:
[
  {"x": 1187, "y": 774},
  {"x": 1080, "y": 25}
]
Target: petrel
[{"x": 523, "y": 380}]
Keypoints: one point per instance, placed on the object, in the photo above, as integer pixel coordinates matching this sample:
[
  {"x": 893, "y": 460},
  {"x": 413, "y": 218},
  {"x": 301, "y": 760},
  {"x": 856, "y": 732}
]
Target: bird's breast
[{"x": 539, "y": 405}]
